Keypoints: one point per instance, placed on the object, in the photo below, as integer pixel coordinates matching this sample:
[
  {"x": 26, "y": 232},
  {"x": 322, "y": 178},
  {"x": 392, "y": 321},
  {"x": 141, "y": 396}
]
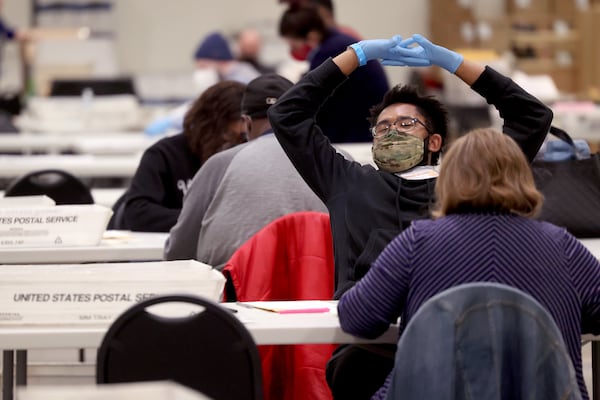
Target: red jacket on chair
[{"x": 289, "y": 259}]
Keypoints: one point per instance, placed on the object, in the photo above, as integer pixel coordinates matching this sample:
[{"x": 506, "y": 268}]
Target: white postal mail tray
[
  {"x": 96, "y": 293},
  {"x": 63, "y": 225},
  {"x": 156, "y": 390}
]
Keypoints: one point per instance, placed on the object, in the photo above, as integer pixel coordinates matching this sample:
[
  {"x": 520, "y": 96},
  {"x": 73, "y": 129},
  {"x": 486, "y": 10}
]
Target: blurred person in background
[
  {"x": 214, "y": 61},
  {"x": 249, "y": 43},
  {"x": 326, "y": 10},
  {"x": 214, "y": 53},
  {"x": 344, "y": 116}
]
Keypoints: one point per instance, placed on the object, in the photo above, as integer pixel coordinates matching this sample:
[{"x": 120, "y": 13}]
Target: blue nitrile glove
[
  {"x": 438, "y": 55},
  {"x": 404, "y": 55},
  {"x": 374, "y": 49},
  {"x": 158, "y": 126}
]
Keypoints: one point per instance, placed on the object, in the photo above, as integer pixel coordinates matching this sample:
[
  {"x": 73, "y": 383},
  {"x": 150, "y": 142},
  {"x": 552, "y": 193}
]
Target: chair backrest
[
  {"x": 59, "y": 185},
  {"x": 482, "y": 340},
  {"x": 210, "y": 351},
  {"x": 289, "y": 259}
]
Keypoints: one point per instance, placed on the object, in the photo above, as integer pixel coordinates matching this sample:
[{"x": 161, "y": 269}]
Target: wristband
[{"x": 362, "y": 59}]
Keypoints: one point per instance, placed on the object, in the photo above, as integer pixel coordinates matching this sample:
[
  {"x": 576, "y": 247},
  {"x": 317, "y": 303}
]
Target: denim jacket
[{"x": 482, "y": 341}]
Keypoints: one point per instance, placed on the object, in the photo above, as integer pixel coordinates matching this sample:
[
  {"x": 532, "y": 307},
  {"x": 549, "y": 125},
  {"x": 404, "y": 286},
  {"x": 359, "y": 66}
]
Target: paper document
[{"x": 291, "y": 307}]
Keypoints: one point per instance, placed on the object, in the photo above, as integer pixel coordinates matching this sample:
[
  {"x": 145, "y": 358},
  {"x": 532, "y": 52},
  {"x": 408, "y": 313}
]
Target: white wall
[{"x": 161, "y": 35}]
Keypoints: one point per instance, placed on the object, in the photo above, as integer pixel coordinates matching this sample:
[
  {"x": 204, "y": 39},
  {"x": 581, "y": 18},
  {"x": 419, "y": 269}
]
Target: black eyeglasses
[{"x": 405, "y": 124}]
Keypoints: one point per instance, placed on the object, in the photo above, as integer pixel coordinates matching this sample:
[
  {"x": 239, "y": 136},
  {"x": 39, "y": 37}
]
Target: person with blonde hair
[
  {"x": 482, "y": 231},
  {"x": 490, "y": 173}
]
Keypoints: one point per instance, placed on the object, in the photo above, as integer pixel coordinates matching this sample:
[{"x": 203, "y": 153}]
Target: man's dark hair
[
  {"x": 298, "y": 21},
  {"x": 435, "y": 113}
]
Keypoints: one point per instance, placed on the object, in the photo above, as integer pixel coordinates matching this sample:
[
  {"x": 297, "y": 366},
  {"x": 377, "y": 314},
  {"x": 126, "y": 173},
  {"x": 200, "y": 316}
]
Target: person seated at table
[
  {"x": 370, "y": 206},
  {"x": 240, "y": 190},
  {"x": 483, "y": 230},
  {"x": 153, "y": 200}
]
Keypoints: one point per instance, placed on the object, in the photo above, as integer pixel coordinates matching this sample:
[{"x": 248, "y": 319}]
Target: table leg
[
  {"x": 596, "y": 369},
  {"x": 7, "y": 374},
  {"x": 21, "y": 372}
]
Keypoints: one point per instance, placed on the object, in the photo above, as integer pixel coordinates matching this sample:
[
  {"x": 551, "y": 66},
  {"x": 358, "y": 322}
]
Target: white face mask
[{"x": 205, "y": 78}]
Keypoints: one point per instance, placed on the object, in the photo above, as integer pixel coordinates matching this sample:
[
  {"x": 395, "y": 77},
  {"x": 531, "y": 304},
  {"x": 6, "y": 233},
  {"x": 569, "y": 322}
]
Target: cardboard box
[
  {"x": 494, "y": 34},
  {"x": 588, "y": 24},
  {"x": 565, "y": 77},
  {"x": 567, "y": 9},
  {"x": 531, "y": 7},
  {"x": 450, "y": 10},
  {"x": 462, "y": 33}
]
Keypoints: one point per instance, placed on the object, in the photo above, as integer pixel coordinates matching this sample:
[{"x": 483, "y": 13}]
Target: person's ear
[{"x": 435, "y": 143}]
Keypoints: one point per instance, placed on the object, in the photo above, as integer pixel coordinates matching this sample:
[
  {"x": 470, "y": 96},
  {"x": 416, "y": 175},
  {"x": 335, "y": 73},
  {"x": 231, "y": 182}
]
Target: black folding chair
[
  {"x": 210, "y": 351},
  {"x": 59, "y": 185}
]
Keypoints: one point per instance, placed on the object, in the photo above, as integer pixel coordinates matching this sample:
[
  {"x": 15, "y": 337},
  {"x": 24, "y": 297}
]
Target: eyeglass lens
[{"x": 404, "y": 123}]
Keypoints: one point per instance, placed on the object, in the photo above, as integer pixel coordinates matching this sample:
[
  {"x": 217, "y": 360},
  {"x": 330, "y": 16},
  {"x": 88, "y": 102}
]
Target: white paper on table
[{"x": 291, "y": 307}]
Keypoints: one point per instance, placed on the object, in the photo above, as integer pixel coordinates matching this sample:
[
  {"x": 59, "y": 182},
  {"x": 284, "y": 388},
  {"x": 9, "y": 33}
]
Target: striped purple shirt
[{"x": 432, "y": 256}]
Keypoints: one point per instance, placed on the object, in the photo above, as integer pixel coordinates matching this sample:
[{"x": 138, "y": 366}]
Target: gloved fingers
[
  {"x": 420, "y": 39},
  {"x": 393, "y": 63},
  {"x": 390, "y": 43},
  {"x": 397, "y": 39},
  {"x": 408, "y": 52},
  {"x": 407, "y": 62},
  {"x": 417, "y": 62},
  {"x": 406, "y": 42}
]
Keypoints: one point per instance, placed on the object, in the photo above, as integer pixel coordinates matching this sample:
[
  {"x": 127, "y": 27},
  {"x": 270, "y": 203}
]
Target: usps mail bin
[
  {"x": 62, "y": 225},
  {"x": 97, "y": 293}
]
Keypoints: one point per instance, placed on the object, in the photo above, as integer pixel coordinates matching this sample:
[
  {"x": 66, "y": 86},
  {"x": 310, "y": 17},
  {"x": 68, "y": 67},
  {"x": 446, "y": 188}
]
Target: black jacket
[
  {"x": 369, "y": 207},
  {"x": 154, "y": 199}
]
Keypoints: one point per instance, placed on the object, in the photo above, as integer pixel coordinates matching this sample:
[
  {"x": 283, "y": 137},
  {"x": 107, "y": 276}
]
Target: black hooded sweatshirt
[{"x": 369, "y": 207}]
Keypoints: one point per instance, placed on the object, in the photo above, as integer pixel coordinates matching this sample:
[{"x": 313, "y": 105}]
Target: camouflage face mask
[{"x": 398, "y": 151}]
